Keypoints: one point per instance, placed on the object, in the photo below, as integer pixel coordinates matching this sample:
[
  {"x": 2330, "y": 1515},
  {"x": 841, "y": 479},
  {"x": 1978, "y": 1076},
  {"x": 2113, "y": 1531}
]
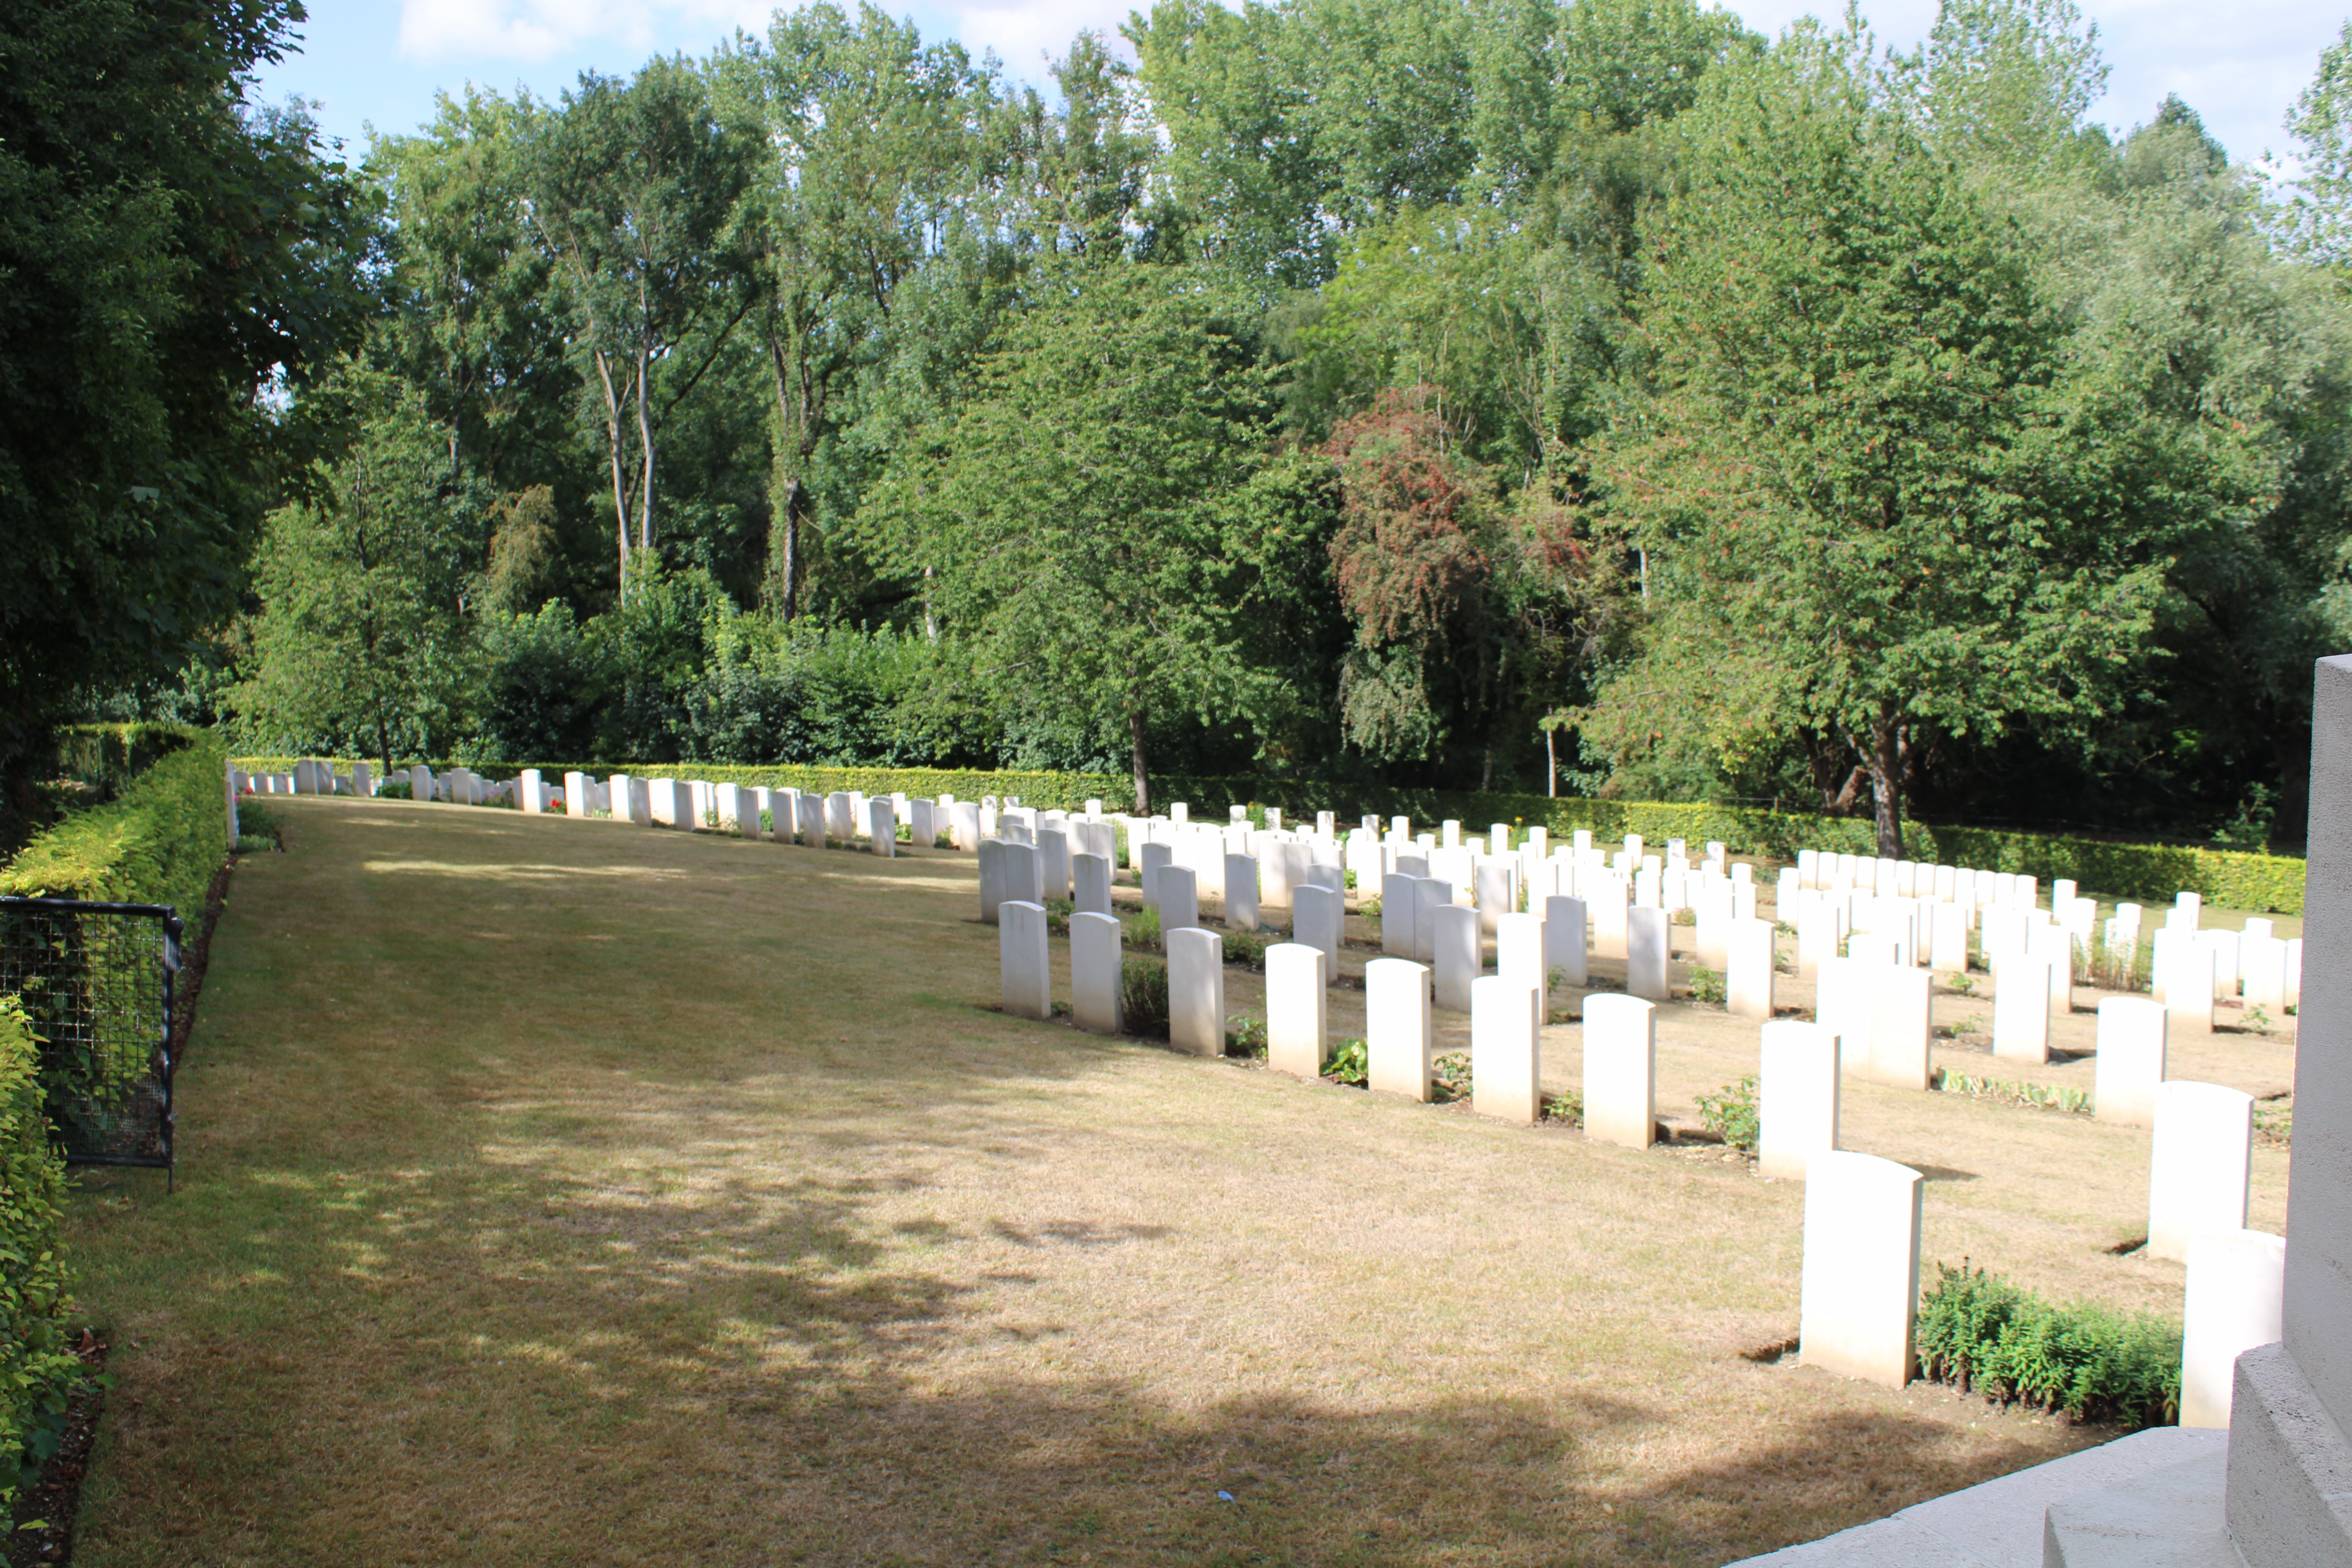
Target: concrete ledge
[
  {"x": 2290, "y": 1489},
  {"x": 2000, "y": 1523},
  {"x": 2169, "y": 1518}
]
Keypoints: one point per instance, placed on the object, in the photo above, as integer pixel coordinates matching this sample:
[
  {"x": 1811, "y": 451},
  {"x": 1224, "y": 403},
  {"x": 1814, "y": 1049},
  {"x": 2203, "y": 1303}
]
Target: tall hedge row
[
  {"x": 160, "y": 841},
  {"x": 2155, "y": 872},
  {"x": 38, "y": 1370}
]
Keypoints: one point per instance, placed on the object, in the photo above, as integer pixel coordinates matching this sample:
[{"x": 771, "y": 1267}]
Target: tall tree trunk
[
  {"x": 646, "y": 444},
  {"x": 797, "y": 507},
  {"x": 1886, "y": 780},
  {"x": 620, "y": 484},
  {"x": 1142, "y": 762}
]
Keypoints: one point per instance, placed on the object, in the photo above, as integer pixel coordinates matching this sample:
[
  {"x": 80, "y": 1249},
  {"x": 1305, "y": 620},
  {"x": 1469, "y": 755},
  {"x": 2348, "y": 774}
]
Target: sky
[{"x": 375, "y": 63}]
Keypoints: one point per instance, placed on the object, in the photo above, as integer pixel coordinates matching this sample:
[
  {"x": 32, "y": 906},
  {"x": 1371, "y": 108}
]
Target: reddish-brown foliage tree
[{"x": 1407, "y": 554}]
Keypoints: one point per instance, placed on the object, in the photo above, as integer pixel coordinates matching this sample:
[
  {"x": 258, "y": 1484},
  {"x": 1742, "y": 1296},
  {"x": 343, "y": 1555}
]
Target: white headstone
[
  {"x": 2020, "y": 1008},
  {"x": 1022, "y": 960},
  {"x": 2236, "y": 1300},
  {"x": 1396, "y": 1028},
  {"x": 2200, "y": 1165},
  {"x": 1241, "y": 892},
  {"x": 1861, "y": 1284},
  {"x": 1294, "y": 1002},
  {"x": 1519, "y": 958},
  {"x": 1506, "y": 1050},
  {"x": 1458, "y": 955},
  {"x": 1748, "y": 973},
  {"x": 1646, "y": 934},
  {"x": 1900, "y": 1030},
  {"x": 1621, "y": 1070},
  {"x": 1196, "y": 990},
  {"x": 1318, "y": 919},
  {"x": 1097, "y": 962},
  {"x": 882, "y": 834},
  {"x": 992, "y": 879},
  {"x": 1091, "y": 884},
  {"x": 1399, "y": 904},
  {"x": 1179, "y": 904},
  {"x": 1798, "y": 1096},
  {"x": 1020, "y": 874},
  {"x": 2130, "y": 1061},
  {"x": 1564, "y": 939}
]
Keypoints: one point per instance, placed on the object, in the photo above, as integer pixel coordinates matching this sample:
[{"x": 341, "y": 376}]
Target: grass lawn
[{"x": 559, "y": 1193}]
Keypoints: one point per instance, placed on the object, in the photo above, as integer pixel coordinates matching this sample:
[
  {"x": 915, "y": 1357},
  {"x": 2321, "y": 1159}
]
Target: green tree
[
  {"x": 1861, "y": 469},
  {"x": 364, "y": 637},
  {"x": 166, "y": 254},
  {"x": 1106, "y": 519},
  {"x": 633, "y": 184},
  {"x": 876, "y": 148}
]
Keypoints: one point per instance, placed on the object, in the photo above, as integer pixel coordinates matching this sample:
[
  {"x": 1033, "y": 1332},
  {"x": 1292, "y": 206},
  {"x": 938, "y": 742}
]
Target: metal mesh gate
[{"x": 96, "y": 982}]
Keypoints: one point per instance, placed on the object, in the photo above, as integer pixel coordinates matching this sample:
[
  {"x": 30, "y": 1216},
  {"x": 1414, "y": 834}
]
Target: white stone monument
[
  {"x": 882, "y": 834},
  {"x": 2020, "y": 1008},
  {"x": 1091, "y": 884},
  {"x": 1097, "y": 961},
  {"x": 1901, "y": 1035},
  {"x": 2130, "y": 1062},
  {"x": 1294, "y": 1002},
  {"x": 1241, "y": 892},
  {"x": 1179, "y": 904},
  {"x": 1621, "y": 1070},
  {"x": 1646, "y": 938},
  {"x": 1400, "y": 901},
  {"x": 1798, "y": 1096},
  {"x": 2237, "y": 1281},
  {"x": 2201, "y": 1166},
  {"x": 1318, "y": 919},
  {"x": 1458, "y": 954},
  {"x": 1396, "y": 1028},
  {"x": 1021, "y": 960},
  {"x": 1749, "y": 972},
  {"x": 1196, "y": 990},
  {"x": 1506, "y": 1047},
  {"x": 1564, "y": 939},
  {"x": 1861, "y": 1283}
]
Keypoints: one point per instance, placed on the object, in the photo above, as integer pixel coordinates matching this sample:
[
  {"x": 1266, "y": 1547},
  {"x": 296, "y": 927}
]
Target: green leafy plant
[
  {"x": 1369, "y": 908},
  {"x": 1349, "y": 1063},
  {"x": 1246, "y": 1035},
  {"x": 1058, "y": 912},
  {"x": 1962, "y": 985},
  {"x": 257, "y": 829},
  {"x": 2274, "y": 1119},
  {"x": 1685, "y": 917},
  {"x": 2073, "y": 1101},
  {"x": 2256, "y": 1018},
  {"x": 38, "y": 1371},
  {"x": 2080, "y": 1359},
  {"x": 1143, "y": 924},
  {"x": 1143, "y": 998},
  {"x": 1732, "y": 1114},
  {"x": 1706, "y": 984},
  {"x": 1347, "y": 879},
  {"x": 1452, "y": 1074},
  {"x": 1247, "y": 948},
  {"x": 1567, "y": 1108}
]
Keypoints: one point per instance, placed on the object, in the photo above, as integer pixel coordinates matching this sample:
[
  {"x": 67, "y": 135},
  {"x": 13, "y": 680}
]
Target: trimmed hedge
[
  {"x": 159, "y": 842},
  {"x": 2148, "y": 872},
  {"x": 113, "y": 754},
  {"x": 38, "y": 1371},
  {"x": 1977, "y": 1331}
]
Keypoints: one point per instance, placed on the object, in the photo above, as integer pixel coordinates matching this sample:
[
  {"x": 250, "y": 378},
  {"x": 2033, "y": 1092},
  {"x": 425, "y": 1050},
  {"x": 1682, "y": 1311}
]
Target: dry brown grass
[{"x": 556, "y": 1192}]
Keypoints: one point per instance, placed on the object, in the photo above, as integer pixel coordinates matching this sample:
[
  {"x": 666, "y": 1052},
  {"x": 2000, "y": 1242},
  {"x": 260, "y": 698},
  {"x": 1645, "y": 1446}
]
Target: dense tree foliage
[{"x": 1463, "y": 391}]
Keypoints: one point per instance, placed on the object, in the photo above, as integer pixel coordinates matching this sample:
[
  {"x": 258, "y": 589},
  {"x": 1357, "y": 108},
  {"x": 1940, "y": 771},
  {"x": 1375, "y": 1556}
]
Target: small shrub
[
  {"x": 2073, "y": 1101},
  {"x": 1347, "y": 880},
  {"x": 2255, "y": 1018},
  {"x": 1685, "y": 917},
  {"x": 1143, "y": 998},
  {"x": 1349, "y": 1064},
  {"x": 1058, "y": 912},
  {"x": 1567, "y": 1108},
  {"x": 257, "y": 829},
  {"x": 399, "y": 787},
  {"x": 1142, "y": 928},
  {"x": 1369, "y": 908},
  {"x": 2080, "y": 1359},
  {"x": 1731, "y": 1115},
  {"x": 1962, "y": 985},
  {"x": 1245, "y": 1036},
  {"x": 1247, "y": 948},
  {"x": 1706, "y": 984},
  {"x": 1453, "y": 1070},
  {"x": 2274, "y": 1121}
]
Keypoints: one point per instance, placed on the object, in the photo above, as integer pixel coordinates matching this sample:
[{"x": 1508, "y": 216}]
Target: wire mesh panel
[{"x": 97, "y": 983}]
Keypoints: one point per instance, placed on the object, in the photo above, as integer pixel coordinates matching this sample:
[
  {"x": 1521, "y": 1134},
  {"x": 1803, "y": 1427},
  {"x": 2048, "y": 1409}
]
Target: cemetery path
[{"x": 556, "y": 1192}]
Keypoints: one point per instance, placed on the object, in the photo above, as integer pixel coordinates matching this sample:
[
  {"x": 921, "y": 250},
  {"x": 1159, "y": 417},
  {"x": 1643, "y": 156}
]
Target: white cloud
[
  {"x": 533, "y": 30},
  {"x": 1025, "y": 36}
]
